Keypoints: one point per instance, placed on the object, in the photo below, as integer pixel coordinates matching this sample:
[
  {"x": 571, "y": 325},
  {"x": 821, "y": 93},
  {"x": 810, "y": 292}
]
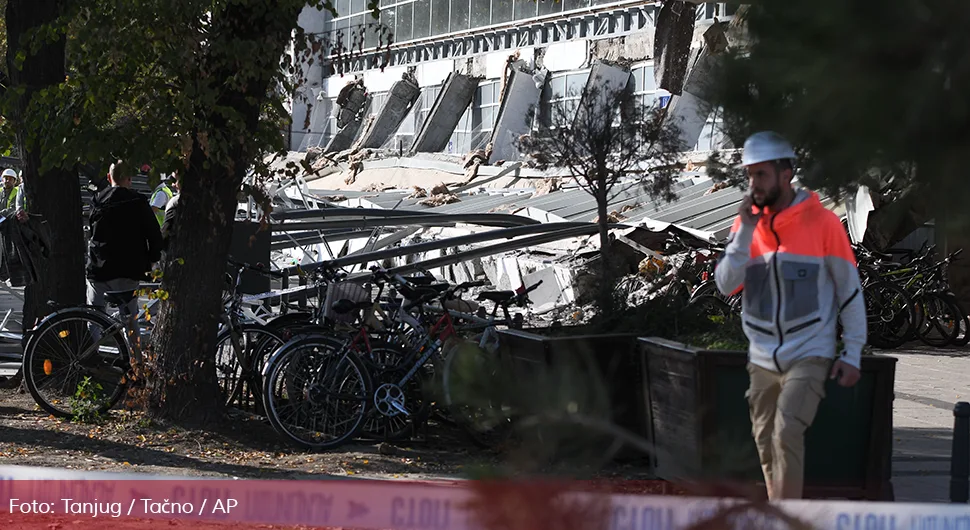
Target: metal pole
[{"x": 960, "y": 454}]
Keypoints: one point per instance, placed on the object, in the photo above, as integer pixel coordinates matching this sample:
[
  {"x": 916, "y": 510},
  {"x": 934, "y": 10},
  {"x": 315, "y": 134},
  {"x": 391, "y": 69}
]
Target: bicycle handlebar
[
  {"x": 522, "y": 295},
  {"x": 258, "y": 268}
]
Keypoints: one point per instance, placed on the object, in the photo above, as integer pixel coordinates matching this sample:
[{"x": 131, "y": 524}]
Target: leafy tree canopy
[
  {"x": 142, "y": 82},
  {"x": 870, "y": 92}
]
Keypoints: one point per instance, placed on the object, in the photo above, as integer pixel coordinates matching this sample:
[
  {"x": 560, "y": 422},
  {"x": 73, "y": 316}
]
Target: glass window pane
[
  {"x": 501, "y": 11},
  {"x": 575, "y": 83},
  {"x": 525, "y": 9},
  {"x": 569, "y": 5},
  {"x": 422, "y": 19},
  {"x": 370, "y": 34},
  {"x": 386, "y": 29},
  {"x": 649, "y": 83},
  {"x": 357, "y": 30},
  {"x": 342, "y": 7},
  {"x": 549, "y": 7},
  {"x": 459, "y": 16},
  {"x": 439, "y": 17},
  {"x": 481, "y": 11},
  {"x": 558, "y": 87},
  {"x": 402, "y": 24},
  {"x": 638, "y": 79},
  {"x": 358, "y": 6}
]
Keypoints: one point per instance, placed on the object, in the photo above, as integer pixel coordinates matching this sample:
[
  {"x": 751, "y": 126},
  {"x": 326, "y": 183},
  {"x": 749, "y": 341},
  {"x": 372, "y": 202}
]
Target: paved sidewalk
[{"x": 928, "y": 383}]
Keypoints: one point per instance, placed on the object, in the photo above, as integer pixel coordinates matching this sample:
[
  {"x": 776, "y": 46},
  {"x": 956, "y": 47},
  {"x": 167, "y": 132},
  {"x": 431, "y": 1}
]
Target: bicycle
[{"x": 103, "y": 353}]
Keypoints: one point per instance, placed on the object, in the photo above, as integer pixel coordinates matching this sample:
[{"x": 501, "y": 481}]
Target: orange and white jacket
[{"x": 799, "y": 274}]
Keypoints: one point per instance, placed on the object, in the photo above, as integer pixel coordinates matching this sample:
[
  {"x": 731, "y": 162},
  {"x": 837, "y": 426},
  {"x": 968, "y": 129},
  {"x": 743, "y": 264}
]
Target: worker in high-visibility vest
[
  {"x": 9, "y": 192},
  {"x": 160, "y": 197}
]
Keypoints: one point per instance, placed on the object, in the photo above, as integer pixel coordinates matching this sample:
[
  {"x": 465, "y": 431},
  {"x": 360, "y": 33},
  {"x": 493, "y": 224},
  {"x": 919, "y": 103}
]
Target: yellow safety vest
[
  {"x": 12, "y": 198},
  {"x": 160, "y": 215}
]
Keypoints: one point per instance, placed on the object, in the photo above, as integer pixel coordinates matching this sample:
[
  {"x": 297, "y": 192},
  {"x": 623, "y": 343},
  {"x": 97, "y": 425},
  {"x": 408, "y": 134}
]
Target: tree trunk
[
  {"x": 182, "y": 379},
  {"x": 55, "y": 194},
  {"x": 606, "y": 301}
]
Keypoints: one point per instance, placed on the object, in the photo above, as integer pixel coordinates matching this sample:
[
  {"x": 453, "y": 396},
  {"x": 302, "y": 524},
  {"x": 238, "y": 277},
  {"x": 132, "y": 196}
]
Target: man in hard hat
[
  {"x": 9, "y": 195},
  {"x": 161, "y": 196},
  {"x": 797, "y": 270}
]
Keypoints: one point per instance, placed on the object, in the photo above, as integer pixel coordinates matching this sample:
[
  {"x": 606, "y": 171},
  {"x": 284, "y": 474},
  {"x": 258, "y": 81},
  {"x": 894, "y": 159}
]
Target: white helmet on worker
[
  {"x": 9, "y": 173},
  {"x": 766, "y": 146}
]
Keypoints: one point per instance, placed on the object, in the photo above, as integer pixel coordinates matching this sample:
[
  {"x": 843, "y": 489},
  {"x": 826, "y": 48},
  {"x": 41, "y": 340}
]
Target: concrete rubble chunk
[
  {"x": 417, "y": 192},
  {"x": 400, "y": 100},
  {"x": 456, "y": 95},
  {"x": 547, "y": 186},
  {"x": 353, "y": 103},
  {"x": 440, "y": 199}
]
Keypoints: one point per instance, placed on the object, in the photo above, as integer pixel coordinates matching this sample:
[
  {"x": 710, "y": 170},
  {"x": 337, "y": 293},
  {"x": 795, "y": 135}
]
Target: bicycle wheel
[
  {"x": 890, "y": 315},
  {"x": 242, "y": 387},
  {"x": 963, "y": 336},
  {"x": 316, "y": 392},
  {"x": 942, "y": 320},
  {"x": 77, "y": 358},
  {"x": 711, "y": 306},
  {"x": 470, "y": 378}
]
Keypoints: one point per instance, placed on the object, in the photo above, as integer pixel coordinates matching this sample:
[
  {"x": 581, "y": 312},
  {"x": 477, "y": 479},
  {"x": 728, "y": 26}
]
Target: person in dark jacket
[{"x": 125, "y": 241}]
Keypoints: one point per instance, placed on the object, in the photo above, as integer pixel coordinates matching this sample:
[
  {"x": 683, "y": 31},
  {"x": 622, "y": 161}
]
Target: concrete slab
[
  {"x": 521, "y": 97},
  {"x": 455, "y": 96},
  {"x": 400, "y": 100}
]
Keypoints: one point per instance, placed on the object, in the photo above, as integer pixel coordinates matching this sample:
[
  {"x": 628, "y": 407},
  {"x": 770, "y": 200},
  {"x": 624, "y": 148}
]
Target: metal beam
[
  {"x": 482, "y": 219},
  {"x": 342, "y": 212},
  {"x": 444, "y": 261},
  {"x": 506, "y": 233}
]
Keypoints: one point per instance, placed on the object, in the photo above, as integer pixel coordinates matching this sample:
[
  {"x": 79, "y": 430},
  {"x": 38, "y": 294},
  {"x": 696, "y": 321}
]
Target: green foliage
[
  {"x": 150, "y": 79},
  {"x": 87, "y": 401},
  {"x": 868, "y": 93}
]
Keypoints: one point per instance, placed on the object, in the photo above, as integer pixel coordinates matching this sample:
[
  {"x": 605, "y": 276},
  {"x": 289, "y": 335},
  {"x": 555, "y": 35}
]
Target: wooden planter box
[
  {"x": 610, "y": 367},
  {"x": 702, "y": 429}
]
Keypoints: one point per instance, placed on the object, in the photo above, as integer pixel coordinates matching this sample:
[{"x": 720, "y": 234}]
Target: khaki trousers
[{"x": 782, "y": 407}]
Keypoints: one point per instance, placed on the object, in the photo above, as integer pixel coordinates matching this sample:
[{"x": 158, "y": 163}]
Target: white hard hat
[
  {"x": 766, "y": 146},
  {"x": 9, "y": 173}
]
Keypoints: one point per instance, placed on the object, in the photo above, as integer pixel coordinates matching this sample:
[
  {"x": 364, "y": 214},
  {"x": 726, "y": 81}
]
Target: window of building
[
  {"x": 560, "y": 97},
  {"x": 501, "y": 11},
  {"x": 440, "y": 13},
  {"x": 459, "y": 15},
  {"x": 404, "y": 23},
  {"x": 422, "y": 19},
  {"x": 549, "y": 7},
  {"x": 645, "y": 86},
  {"x": 525, "y": 9},
  {"x": 481, "y": 13}
]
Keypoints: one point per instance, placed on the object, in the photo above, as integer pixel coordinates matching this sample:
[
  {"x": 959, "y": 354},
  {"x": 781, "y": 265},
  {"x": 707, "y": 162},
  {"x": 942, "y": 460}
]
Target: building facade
[{"x": 559, "y": 39}]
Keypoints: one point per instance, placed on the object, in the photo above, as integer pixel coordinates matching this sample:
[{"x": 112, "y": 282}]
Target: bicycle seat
[
  {"x": 412, "y": 293},
  {"x": 120, "y": 298},
  {"x": 344, "y": 306},
  {"x": 497, "y": 296}
]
